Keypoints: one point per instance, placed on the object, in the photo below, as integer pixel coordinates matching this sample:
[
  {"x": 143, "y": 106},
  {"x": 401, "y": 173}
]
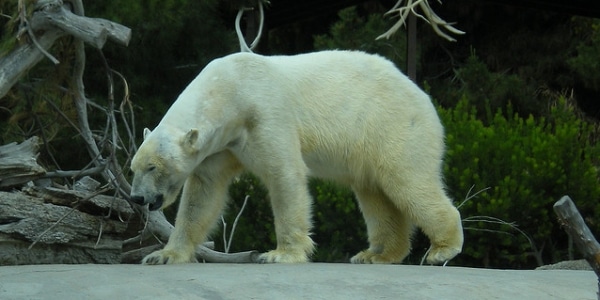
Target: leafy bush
[
  {"x": 490, "y": 91},
  {"x": 528, "y": 164},
  {"x": 586, "y": 64},
  {"x": 339, "y": 229}
]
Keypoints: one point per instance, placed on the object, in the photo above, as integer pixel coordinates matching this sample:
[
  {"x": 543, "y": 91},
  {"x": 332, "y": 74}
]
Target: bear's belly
[{"x": 329, "y": 167}]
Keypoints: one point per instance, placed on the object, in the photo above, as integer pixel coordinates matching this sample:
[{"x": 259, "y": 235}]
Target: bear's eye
[{"x": 151, "y": 168}]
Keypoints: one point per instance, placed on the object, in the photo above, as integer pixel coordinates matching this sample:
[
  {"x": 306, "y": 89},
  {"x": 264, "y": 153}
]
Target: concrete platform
[{"x": 279, "y": 281}]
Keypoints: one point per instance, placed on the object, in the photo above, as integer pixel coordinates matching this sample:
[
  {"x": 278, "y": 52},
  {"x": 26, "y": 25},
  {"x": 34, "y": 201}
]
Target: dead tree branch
[
  {"x": 243, "y": 45},
  {"x": 53, "y": 20},
  {"x": 427, "y": 14}
]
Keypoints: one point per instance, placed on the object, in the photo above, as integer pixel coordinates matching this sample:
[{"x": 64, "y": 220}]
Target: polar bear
[{"x": 346, "y": 116}]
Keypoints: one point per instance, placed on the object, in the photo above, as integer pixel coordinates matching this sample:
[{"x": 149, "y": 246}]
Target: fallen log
[{"x": 37, "y": 227}]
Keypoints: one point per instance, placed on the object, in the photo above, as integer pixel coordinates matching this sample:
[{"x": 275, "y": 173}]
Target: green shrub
[
  {"x": 338, "y": 231},
  {"x": 490, "y": 91},
  {"x": 528, "y": 164},
  {"x": 585, "y": 63}
]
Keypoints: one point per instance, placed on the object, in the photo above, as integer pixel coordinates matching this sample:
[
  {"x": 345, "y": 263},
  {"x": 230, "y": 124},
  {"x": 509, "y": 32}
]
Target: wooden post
[{"x": 573, "y": 223}]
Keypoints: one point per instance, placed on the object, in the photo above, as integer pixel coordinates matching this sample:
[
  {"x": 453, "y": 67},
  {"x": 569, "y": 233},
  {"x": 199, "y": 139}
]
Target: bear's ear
[
  {"x": 190, "y": 139},
  {"x": 146, "y": 132}
]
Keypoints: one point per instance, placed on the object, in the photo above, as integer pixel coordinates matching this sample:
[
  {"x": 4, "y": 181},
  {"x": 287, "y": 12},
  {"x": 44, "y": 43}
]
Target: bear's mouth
[{"x": 158, "y": 202}]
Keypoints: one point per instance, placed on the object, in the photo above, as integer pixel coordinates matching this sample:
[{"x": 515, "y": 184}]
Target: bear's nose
[{"x": 139, "y": 200}]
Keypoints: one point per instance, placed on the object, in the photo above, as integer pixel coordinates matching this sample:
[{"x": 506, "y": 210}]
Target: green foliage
[
  {"x": 492, "y": 91},
  {"x": 355, "y": 32},
  {"x": 340, "y": 230},
  {"x": 587, "y": 63},
  {"x": 255, "y": 229},
  {"x": 528, "y": 164}
]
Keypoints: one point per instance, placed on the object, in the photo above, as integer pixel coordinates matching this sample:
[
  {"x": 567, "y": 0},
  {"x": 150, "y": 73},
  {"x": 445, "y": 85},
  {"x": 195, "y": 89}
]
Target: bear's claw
[{"x": 167, "y": 257}]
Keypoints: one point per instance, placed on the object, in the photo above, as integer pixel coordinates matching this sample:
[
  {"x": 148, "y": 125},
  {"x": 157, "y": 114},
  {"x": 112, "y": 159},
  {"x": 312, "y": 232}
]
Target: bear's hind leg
[
  {"x": 389, "y": 230},
  {"x": 431, "y": 210}
]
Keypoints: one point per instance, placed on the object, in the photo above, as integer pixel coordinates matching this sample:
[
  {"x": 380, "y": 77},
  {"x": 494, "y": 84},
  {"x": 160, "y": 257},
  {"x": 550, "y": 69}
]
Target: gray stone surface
[{"x": 299, "y": 281}]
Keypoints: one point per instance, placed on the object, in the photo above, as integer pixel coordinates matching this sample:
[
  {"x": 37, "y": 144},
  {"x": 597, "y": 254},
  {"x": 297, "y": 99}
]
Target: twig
[
  {"x": 25, "y": 26},
  {"x": 130, "y": 129},
  {"x": 227, "y": 242},
  {"x": 75, "y": 173},
  {"x": 99, "y": 233},
  {"x": 469, "y": 196},
  {"x": 235, "y": 222}
]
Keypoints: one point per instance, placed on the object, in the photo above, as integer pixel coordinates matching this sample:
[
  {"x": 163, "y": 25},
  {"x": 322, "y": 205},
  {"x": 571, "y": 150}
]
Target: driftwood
[
  {"x": 575, "y": 226},
  {"x": 47, "y": 225},
  {"x": 18, "y": 163}
]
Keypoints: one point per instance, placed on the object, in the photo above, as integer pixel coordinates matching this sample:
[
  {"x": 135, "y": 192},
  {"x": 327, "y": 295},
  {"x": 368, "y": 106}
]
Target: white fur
[{"x": 346, "y": 116}]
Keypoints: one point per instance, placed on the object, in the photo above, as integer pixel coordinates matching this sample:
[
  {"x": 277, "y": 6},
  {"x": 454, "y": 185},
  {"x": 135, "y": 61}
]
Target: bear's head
[{"x": 161, "y": 165}]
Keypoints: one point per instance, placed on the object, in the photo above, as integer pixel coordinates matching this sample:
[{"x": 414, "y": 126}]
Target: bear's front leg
[
  {"x": 291, "y": 206},
  {"x": 202, "y": 202},
  {"x": 199, "y": 207}
]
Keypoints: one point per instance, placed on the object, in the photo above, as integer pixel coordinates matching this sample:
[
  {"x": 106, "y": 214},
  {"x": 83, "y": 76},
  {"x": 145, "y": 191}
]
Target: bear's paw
[
  {"x": 370, "y": 257},
  {"x": 441, "y": 255},
  {"x": 167, "y": 257},
  {"x": 281, "y": 256}
]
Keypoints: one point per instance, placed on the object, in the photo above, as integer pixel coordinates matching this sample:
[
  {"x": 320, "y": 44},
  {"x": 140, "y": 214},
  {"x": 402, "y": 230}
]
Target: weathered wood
[
  {"x": 53, "y": 20},
  {"x": 98, "y": 205},
  {"x": 93, "y": 31},
  {"x": 575, "y": 226},
  {"x": 61, "y": 232},
  {"x": 18, "y": 163}
]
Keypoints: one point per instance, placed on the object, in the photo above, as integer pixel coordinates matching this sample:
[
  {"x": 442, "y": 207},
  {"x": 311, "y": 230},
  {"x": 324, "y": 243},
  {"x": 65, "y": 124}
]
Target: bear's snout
[
  {"x": 153, "y": 204},
  {"x": 139, "y": 200}
]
